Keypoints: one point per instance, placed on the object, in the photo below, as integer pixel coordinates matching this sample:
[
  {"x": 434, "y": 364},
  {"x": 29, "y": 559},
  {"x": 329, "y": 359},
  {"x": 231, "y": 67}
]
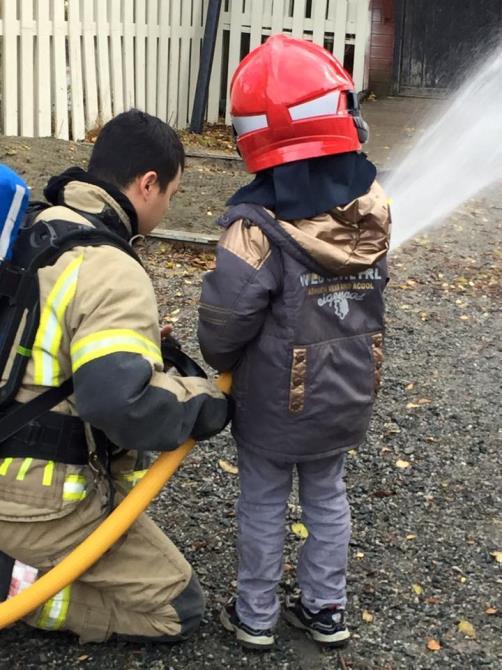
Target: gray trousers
[{"x": 261, "y": 512}]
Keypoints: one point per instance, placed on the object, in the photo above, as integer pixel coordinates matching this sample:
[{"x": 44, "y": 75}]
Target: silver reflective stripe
[
  {"x": 326, "y": 105},
  {"x": 246, "y": 124}
]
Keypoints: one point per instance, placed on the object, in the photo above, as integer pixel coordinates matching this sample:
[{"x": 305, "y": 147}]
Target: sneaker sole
[
  {"x": 339, "y": 639},
  {"x": 260, "y": 643}
]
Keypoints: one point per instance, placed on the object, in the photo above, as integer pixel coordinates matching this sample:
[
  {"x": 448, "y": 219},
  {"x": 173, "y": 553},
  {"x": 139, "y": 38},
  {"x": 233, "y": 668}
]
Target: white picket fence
[{"x": 70, "y": 65}]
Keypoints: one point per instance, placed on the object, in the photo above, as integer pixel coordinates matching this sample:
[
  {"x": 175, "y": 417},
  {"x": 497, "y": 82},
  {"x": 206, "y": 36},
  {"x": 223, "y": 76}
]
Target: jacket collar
[{"x": 80, "y": 191}]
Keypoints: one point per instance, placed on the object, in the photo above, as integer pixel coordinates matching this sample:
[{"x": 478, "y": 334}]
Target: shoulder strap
[
  {"x": 29, "y": 411},
  {"x": 276, "y": 234},
  {"x": 51, "y": 239}
]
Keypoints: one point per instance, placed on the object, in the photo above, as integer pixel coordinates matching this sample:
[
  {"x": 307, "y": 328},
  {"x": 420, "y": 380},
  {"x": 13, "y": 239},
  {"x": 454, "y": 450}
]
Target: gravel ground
[{"x": 425, "y": 490}]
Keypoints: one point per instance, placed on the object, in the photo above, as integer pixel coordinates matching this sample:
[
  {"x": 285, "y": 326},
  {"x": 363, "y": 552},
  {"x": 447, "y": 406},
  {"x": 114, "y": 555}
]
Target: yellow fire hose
[{"x": 100, "y": 540}]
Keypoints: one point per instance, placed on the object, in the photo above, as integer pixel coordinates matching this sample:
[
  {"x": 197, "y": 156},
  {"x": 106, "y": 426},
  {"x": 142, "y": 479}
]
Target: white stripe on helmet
[
  {"x": 326, "y": 105},
  {"x": 246, "y": 124}
]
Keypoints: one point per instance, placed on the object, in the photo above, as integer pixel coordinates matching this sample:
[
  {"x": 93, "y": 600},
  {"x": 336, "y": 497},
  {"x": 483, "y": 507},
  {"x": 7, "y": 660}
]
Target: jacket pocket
[
  {"x": 377, "y": 352},
  {"x": 337, "y": 389}
]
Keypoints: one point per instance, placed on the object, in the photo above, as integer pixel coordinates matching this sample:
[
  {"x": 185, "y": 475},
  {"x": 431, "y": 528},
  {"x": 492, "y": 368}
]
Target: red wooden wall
[{"x": 382, "y": 46}]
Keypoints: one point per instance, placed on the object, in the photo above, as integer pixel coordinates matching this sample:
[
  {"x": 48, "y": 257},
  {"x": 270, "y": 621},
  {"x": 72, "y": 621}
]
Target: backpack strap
[
  {"x": 47, "y": 242},
  {"x": 29, "y": 411}
]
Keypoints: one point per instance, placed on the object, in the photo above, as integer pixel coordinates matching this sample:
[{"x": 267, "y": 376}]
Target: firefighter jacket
[
  {"x": 295, "y": 309},
  {"x": 99, "y": 324}
]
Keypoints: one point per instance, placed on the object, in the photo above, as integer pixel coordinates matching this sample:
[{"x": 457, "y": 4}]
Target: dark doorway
[{"x": 438, "y": 41}]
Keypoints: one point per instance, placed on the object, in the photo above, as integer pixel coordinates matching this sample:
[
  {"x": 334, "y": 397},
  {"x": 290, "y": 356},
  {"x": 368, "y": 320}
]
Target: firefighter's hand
[{"x": 165, "y": 331}]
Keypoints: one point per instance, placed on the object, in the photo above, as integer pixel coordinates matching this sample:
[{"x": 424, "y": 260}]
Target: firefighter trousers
[{"x": 142, "y": 587}]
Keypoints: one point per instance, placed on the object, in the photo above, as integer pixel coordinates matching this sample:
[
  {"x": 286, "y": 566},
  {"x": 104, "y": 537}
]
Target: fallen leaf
[
  {"x": 497, "y": 555},
  {"x": 410, "y": 387},
  {"x": 300, "y": 530},
  {"x": 288, "y": 567},
  {"x": 491, "y": 610},
  {"x": 360, "y": 554},
  {"x": 466, "y": 628},
  {"x": 84, "y": 657},
  {"x": 433, "y": 600},
  {"x": 367, "y": 616},
  {"x": 433, "y": 645},
  {"x": 228, "y": 467},
  {"x": 411, "y": 536},
  {"x": 418, "y": 589},
  {"x": 402, "y": 464},
  {"x": 420, "y": 403}
]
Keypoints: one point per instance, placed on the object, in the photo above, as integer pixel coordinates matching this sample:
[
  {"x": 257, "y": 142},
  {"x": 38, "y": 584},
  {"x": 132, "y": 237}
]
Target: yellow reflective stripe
[
  {"x": 50, "y": 332},
  {"x": 106, "y": 342},
  {"x": 48, "y": 474},
  {"x": 55, "y": 610},
  {"x": 4, "y": 468},
  {"x": 134, "y": 477},
  {"x": 74, "y": 488},
  {"x": 24, "y": 469}
]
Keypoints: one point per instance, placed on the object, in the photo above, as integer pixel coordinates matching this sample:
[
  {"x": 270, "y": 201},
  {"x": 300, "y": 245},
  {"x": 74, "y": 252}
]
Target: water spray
[{"x": 456, "y": 157}]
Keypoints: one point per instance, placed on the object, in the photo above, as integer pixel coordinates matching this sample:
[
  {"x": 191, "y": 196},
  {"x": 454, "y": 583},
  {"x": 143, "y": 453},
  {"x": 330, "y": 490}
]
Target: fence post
[{"x": 206, "y": 63}]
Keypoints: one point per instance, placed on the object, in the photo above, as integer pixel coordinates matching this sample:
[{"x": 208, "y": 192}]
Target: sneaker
[
  {"x": 251, "y": 638},
  {"x": 326, "y": 626}
]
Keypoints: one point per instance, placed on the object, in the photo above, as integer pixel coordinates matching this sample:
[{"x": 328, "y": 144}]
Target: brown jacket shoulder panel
[{"x": 247, "y": 242}]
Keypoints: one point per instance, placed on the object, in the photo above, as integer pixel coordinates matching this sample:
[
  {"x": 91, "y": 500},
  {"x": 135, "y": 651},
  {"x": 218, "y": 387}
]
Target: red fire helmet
[{"x": 291, "y": 99}]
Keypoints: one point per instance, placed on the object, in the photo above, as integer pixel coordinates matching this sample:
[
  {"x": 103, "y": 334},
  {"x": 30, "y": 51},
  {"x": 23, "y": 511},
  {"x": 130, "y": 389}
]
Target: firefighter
[
  {"x": 62, "y": 474},
  {"x": 294, "y": 309}
]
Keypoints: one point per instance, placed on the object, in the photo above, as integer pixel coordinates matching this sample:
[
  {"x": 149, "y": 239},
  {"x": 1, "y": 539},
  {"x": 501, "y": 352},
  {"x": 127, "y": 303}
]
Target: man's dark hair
[{"x": 132, "y": 144}]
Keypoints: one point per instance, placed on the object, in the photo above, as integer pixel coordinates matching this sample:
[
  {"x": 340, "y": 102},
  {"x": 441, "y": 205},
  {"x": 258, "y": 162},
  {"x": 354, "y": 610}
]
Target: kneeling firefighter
[{"x": 84, "y": 393}]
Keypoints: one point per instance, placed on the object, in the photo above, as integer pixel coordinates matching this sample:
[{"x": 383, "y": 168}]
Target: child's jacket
[{"x": 295, "y": 310}]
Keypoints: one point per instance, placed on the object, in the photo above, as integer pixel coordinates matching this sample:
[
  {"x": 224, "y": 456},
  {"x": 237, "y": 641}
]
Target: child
[{"x": 295, "y": 310}]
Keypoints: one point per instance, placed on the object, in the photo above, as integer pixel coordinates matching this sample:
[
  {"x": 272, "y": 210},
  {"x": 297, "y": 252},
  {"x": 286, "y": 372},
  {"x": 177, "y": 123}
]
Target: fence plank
[
  {"x": 183, "y": 86},
  {"x": 278, "y": 16},
  {"x": 298, "y": 18},
  {"x": 10, "y": 69},
  {"x": 140, "y": 53},
  {"x": 362, "y": 33},
  {"x": 116, "y": 69},
  {"x": 77, "y": 89},
  {"x": 163, "y": 69},
  {"x": 42, "y": 68},
  {"x": 256, "y": 23},
  {"x": 340, "y": 25},
  {"x": 89, "y": 63},
  {"x": 319, "y": 21},
  {"x": 152, "y": 56},
  {"x": 103, "y": 61},
  {"x": 27, "y": 29},
  {"x": 59, "y": 75},
  {"x": 234, "y": 49},
  {"x": 128, "y": 46},
  {"x": 174, "y": 63}
]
